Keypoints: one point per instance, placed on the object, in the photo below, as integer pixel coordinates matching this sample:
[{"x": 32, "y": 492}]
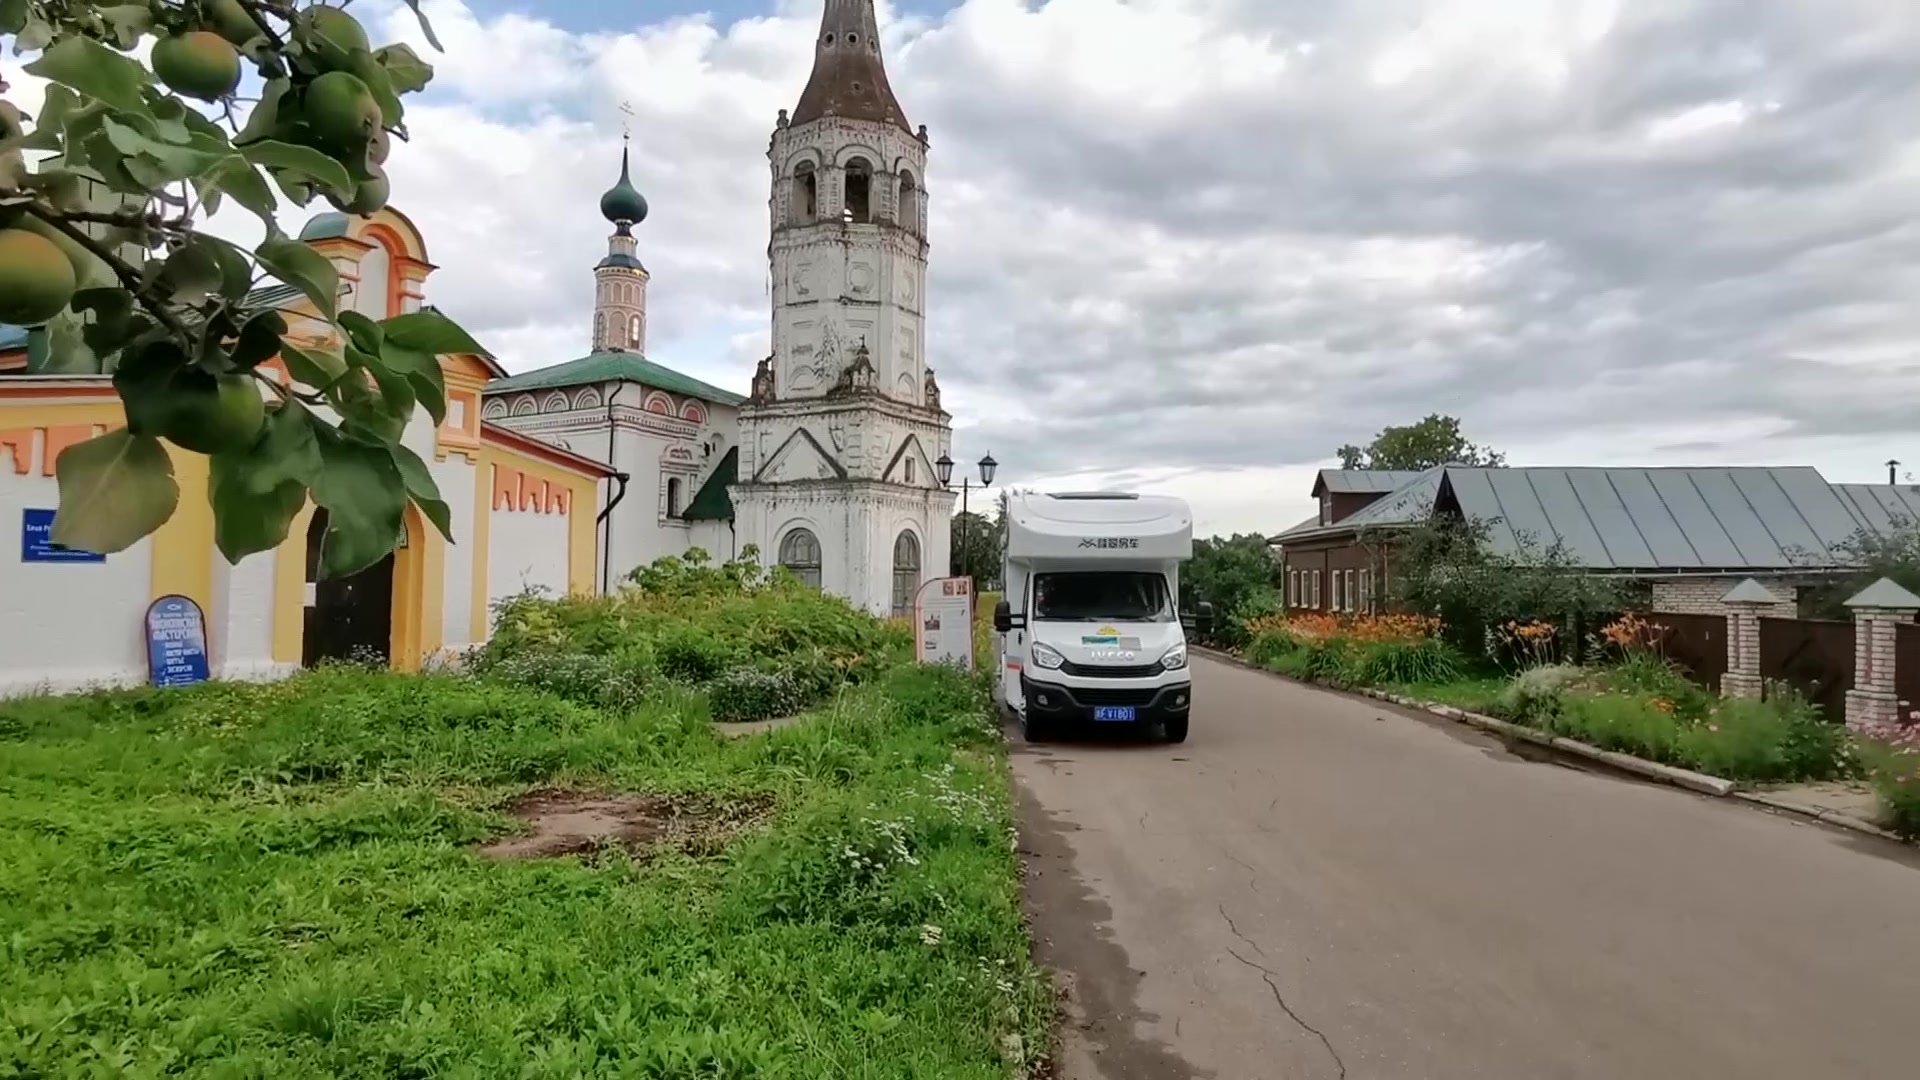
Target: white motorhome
[{"x": 1090, "y": 626}]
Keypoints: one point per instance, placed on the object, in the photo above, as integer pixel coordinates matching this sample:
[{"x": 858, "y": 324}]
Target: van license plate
[{"x": 1113, "y": 712}]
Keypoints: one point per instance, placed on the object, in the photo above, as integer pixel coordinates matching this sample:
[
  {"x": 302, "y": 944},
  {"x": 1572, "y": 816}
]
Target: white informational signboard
[{"x": 943, "y": 622}]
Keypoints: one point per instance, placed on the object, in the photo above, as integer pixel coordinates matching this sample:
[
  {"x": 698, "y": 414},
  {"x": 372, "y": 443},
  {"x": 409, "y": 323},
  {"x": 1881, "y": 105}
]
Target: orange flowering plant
[
  {"x": 1632, "y": 634},
  {"x": 1393, "y": 629},
  {"x": 1532, "y": 642}
]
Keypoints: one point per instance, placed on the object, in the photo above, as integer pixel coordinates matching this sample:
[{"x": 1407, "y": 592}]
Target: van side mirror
[
  {"x": 1003, "y": 618},
  {"x": 1203, "y": 617}
]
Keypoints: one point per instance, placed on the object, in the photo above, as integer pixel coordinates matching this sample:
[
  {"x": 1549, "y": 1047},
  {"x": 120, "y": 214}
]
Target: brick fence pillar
[
  {"x": 1744, "y": 604},
  {"x": 1877, "y": 610}
]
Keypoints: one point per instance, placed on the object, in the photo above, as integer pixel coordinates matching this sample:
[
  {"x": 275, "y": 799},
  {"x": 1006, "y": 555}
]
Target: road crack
[
  {"x": 1238, "y": 934},
  {"x": 1279, "y": 999}
]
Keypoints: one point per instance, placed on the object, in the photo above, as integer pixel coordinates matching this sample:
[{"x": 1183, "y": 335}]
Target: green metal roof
[
  {"x": 613, "y": 367},
  {"x": 711, "y": 502},
  {"x": 328, "y": 226}
]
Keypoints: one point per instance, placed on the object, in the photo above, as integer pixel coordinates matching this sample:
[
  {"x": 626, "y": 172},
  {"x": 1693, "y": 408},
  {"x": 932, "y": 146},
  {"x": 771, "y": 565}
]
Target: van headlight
[
  {"x": 1046, "y": 656},
  {"x": 1176, "y": 657}
]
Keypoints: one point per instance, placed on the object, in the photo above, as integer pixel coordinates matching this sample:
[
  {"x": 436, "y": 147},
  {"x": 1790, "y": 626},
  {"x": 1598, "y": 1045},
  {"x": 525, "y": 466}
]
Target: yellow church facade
[{"x": 524, "y": 517}]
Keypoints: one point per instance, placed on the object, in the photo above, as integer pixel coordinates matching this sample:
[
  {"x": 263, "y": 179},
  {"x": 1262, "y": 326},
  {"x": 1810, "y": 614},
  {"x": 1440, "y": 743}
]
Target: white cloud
[{"x": 1197, "y": 244}]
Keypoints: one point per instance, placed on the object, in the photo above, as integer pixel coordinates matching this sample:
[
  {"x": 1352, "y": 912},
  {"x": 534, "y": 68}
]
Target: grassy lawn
[
  {"x": 281, "y": 881},
  {"x": 1470, "y": 693}
]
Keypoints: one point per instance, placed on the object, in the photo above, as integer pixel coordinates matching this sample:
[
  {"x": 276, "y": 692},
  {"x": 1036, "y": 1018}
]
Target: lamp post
[{"x": 943, "y": 471}]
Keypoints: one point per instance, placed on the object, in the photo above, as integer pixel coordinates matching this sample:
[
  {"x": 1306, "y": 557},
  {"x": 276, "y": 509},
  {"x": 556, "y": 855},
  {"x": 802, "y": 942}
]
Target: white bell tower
[{"x": 838, "y": 441}]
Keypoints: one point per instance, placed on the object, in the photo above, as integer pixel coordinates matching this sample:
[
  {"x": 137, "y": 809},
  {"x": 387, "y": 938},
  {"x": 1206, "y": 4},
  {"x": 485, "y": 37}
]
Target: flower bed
[{"x": 1632, "y": 700}]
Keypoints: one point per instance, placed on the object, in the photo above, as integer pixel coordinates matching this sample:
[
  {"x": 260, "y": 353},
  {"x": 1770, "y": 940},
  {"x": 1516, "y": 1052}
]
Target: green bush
[
  {"x": 751, "y": 694},
  {"x": 1268, "y": 647},
  {"x": 1534, "y": 695},
  {"x": 1406, "y": 663},
  {"x": 692, "y": 655},
  {"x": 606, "y": 682},
  {"x": 1628, "y": 723},
  {"x": 1890, "y": 754},
  {"x": 1641, "y": 672}
]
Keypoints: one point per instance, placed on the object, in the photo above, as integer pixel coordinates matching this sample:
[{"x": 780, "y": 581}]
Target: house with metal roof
[{"x": 1689, "y": 534}]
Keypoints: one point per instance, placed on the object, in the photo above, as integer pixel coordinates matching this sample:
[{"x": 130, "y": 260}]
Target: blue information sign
[
  {"x": 36, "y": 541},
  {"x": 176, "y": 642}
]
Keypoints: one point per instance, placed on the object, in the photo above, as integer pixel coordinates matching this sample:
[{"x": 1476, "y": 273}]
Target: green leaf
[
  {"x": 429, "y": 332},
  {"x": 396, "y": 393},
  {"x": 265, "y": 117},
  {"x": 405, "y": 70},
  {"x": 13, "y": 16},
  {"x": 235, "y": 177},
  {"x": 126, "y": 22},
  {"x": 171, "y": 162},
  {"x": 318, "y": 368},
  {"x": 236, "y": 269},
  {"x": 288, "y": 450},
  {"x": 365, "y": 412},
  {"x": 379, "y": 83},
  {"x": 303, "y": 268},
  {"x": 362, "y": 331},
  {"x": 246, "y": 521},
  {"x": 93, "y": 70},
  {"x": 113, "y": 324},
  {"x": 366, "y": 501},
  {"x": 425, "y": 26},
  {"x": 114, "y": 490},
  {"x": 423, "y": 371},
  {"x": 423, "y": 491},
  {"x": 303, "y": 162},
  {"x": 191, "y": 273},
  {"x": 144, "y": 380}
]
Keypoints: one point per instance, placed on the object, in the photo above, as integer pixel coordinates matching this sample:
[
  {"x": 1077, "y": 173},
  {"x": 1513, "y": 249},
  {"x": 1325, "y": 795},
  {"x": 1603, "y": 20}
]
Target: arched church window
[
  {"x": 633, "y": 331},
  {"x": 371, "y": 292},
  {"x": 906, "y": 572},
  {"x": 860, "y": 190},
  {"x": 599, "y": 328},
  {"x": 800, "y": 554},
  {"x": 673, "y": 497},
  {"x": 909, "y": 214},
  {"x": 806, "y": 193}
]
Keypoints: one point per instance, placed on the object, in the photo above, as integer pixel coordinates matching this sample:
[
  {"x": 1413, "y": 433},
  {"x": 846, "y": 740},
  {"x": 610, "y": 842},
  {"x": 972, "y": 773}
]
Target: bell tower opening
[{"x": 860, "y": 191}]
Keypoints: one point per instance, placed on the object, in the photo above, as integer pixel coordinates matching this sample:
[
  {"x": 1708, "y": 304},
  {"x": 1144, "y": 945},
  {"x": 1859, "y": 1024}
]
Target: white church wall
[
  {"x": 65, "y": 625},
  {"x": 457, "y": 478},
  {"x": 526, "y": 549},
  {"x": 241, "y": 623}
]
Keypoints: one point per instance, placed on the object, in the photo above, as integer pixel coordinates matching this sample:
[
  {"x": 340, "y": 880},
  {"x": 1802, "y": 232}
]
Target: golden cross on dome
[{"x": 626, "y": 123}]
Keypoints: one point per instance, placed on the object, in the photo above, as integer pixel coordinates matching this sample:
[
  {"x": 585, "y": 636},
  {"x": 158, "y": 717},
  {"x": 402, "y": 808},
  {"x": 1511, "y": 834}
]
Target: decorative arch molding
[
  {"x": 495, "y": 409},
  {"x": 555, "y": 402},
  {"x": 847, "y": 153},
  {"x": 524, "y": 406},
  {"x": 587, "y": 399},
  {"x": 659, "y": 404},
  {"x": 693, "y": 412}
]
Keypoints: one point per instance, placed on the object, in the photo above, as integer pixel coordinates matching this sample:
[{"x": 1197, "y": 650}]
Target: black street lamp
[{"x": 943, "y": 471}]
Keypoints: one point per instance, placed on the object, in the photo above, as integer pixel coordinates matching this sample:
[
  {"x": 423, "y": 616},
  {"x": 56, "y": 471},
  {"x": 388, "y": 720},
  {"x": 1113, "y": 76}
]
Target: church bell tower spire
[
  {"x": 620, "y": 281},
  {"x": 849, "y": 79}
]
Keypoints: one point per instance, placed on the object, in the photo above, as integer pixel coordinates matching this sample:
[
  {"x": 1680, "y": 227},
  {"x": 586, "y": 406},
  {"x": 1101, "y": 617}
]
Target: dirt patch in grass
[{"x": 561, "y": 822}]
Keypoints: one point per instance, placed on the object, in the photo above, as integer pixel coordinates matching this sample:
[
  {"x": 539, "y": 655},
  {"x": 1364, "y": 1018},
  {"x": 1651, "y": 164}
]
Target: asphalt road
[{"x": 1321, "y": 886}]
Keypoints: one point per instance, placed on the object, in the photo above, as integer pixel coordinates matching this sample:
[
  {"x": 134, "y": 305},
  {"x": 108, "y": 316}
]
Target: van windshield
[{"x": 1102, "y": 596}]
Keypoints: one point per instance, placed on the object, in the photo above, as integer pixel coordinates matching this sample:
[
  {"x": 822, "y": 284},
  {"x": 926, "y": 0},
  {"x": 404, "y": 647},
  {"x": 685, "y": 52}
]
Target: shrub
[
  {"x": 1534, "y": 695},
  {"x": 1654, "y": 675},
  {"x": 1891, "y": 755},
  {"x": 752, "y": 694},
  {"x": 1269, "y": 646},
  {"x": 692, "y": 655},
  {"x": 1633, "y": 724},
  {"x": 1405, "y": 663},
  {"x": 602, "y": 681}
]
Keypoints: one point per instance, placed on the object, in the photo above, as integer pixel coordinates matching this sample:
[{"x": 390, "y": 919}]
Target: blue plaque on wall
[
  {"x": 36, "y": 541},
  {"x": 176, "y": 642}
]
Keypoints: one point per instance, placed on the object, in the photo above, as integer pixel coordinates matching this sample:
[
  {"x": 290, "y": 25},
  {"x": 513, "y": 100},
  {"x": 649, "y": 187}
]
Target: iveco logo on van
[
  {"x": 1111, "y": 654},
  {"x": 1110, "y": 542}
]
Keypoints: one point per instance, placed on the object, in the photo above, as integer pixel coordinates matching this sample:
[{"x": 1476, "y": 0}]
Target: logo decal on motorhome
[
  {"x": 1110, "y": 542},
  {"x": 1107, "y": 631}
]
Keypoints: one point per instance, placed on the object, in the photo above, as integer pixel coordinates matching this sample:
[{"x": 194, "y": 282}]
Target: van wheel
[
  {"x": 1174, "y": 731},
  {"x": 1033, "y": 730}
]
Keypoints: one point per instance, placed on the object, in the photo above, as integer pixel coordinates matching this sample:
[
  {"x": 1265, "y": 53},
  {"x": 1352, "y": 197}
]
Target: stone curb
[
  {"x": 1666, "y": 774},
  {"x": 1824, "y": 817}
]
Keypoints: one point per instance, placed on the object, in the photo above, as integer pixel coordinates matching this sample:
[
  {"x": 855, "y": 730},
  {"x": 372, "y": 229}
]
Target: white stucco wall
[
  {"x": 64, "y": 626},
  {"x": 526, "y": 550},
  {"x": 456, "y": 479},
  {"x": 242, "y": 619}
]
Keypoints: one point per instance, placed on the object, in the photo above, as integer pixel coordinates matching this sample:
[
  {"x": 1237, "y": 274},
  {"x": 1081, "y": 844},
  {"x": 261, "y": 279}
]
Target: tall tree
[
  {"x": 979, "y": 545},
  {"x": 1230, "y": 572},
  {"x": 1433, "y": 441}
]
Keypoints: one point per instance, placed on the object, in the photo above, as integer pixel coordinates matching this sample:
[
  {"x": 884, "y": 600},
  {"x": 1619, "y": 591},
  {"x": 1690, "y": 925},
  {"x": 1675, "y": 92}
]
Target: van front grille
[{"x": 1111, "y": 671}]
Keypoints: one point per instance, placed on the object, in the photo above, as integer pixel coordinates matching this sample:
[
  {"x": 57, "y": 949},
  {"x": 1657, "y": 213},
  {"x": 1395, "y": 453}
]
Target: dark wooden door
[
  {"x": 347, "y": 618},
  {"x": 1813, "y": 655}
]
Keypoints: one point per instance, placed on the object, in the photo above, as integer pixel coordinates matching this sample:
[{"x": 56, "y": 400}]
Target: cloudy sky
[{"x": 1194, "y": 245}]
